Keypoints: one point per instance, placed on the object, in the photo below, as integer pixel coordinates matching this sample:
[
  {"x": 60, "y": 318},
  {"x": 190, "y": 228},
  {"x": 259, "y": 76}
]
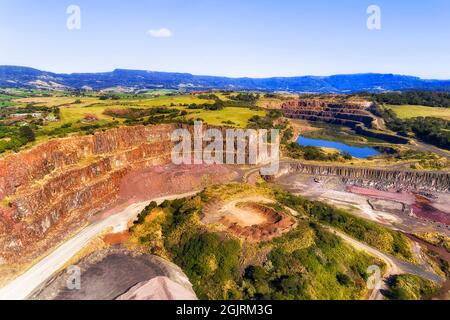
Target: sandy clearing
[{"x": 245, "y": 217}]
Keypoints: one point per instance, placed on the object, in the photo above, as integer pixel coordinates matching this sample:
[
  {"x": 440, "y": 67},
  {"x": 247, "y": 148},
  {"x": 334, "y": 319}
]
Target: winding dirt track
[
  {"x": 24, "y": 285},
  {"x": 394, "y": 265}
]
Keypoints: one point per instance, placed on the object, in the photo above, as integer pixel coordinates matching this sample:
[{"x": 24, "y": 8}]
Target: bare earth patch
[{"x": 250, "y": 218}]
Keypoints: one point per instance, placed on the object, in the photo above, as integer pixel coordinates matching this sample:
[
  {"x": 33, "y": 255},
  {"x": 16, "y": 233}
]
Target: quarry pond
[{"x": 357, "y": 152}]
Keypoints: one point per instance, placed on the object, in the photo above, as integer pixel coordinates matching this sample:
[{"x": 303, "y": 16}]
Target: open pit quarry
[
  {"x": 51, "y": 190},
  {"x": 354, "y": 115}
]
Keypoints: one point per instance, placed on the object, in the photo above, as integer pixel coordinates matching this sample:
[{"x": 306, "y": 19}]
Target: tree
[
  {"x": 346, "y": 155},
  {"x": 27, "y": 133}
]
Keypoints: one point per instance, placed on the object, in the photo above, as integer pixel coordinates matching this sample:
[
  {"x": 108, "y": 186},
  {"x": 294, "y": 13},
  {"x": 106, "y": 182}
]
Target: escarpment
[
  {"x": 56, "y": 186},
  {"x": 382, "y": 179}
]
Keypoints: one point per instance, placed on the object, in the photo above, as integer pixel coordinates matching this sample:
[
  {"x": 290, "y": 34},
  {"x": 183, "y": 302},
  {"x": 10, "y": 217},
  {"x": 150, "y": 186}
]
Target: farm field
[
  {"x": 74, "y": 109},
  {"x": 237, "y": 116},
  {"x": 413, "y": 111}
]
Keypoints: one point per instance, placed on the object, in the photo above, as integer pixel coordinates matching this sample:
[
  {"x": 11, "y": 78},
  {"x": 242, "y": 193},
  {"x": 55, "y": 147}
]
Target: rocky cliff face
[
  {"x": 50, "y": 190},
  {"x": 56, "y": 186},
  {"x": 379, "y": 178}
]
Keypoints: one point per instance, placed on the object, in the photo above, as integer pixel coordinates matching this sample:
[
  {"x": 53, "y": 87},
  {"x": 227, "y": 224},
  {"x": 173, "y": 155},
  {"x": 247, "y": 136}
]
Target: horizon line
[{"x": 233, "y": 77}]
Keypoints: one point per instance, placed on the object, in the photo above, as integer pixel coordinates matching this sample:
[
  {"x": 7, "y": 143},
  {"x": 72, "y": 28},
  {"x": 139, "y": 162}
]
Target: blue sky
[{"x": 256, "y": 38}]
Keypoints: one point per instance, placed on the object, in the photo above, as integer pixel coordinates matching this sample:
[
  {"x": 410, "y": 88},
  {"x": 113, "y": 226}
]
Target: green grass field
[
  {"x": 410, "y": 111},
  {"x": 72, "y": 113},
  {"x": 239, "y": 116}
]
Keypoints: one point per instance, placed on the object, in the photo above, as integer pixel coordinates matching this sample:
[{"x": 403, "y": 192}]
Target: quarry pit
[{"x": 250, "y": 218}]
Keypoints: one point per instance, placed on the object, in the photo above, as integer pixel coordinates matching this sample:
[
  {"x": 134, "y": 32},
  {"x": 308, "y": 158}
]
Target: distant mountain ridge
[{"x": 25, "y": 77}]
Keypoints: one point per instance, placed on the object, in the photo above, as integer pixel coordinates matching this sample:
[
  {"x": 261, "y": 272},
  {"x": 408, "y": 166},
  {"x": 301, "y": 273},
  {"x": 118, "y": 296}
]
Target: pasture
[{"x": 413, "y": 111}]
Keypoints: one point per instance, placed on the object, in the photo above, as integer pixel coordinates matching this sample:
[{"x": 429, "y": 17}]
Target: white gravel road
[{"x": 21, "y": 287}]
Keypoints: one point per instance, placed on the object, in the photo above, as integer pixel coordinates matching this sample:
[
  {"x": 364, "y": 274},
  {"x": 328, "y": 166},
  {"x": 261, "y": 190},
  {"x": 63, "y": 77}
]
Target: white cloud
[{"x": 160, "y": 33}]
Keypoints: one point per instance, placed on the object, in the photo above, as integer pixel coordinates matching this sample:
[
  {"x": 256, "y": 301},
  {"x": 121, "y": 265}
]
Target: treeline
[
  {"x": 136, "y": 113},
  {"x": 430, "y": 130},
  {"x": 425, "y": 98}
]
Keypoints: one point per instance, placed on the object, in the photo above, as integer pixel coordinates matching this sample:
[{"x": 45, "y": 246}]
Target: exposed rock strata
[
  {"x": 378, "y": 178},
  {"x": 353, "y": 115},
  {"x": 55, "y": 186},
  {"x": 52, "y": 189}
]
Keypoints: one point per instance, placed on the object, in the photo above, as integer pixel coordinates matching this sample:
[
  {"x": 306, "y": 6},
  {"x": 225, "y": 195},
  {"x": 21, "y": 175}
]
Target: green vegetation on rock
[
  {"x": 380, "y": 237},
  {"x": 409, "y": 287}
]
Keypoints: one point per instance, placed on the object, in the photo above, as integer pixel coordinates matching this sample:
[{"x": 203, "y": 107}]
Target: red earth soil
[
  {"x": 159, "y": 181},
  {"x": 421, "y": 206},
  {"x": 404, "y": 197},
  {"x": 167, "y": 179}
]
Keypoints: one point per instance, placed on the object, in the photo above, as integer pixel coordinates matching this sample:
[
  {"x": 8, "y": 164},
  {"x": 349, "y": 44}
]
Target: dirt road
[
  {"x": 394, "y": 265},
  {"x": 21, "y": 287}
]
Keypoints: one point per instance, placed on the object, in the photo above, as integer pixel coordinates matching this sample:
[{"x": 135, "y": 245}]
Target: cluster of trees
[
  {"x": 208, "y": 96},
  {"x": 12, "y": 138},
  {"x": 246, "y": 97},
  {"x": 308, "y": 272},
  {"x": 268, "y": 121},
  {"x": 425, "y": 98},
  {"x": 109, "y": 96},
  {"x": 296, "y": 151},
  {"x": 409, "y": 287},
  {"x": 217, "y": 105},
  {"x": 430, "y": 130}
]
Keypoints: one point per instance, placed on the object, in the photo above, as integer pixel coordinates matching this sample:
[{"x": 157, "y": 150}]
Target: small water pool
[{"x": 357, "y": 152}]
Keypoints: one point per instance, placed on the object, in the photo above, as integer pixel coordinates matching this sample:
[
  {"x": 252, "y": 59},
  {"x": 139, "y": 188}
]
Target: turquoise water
[{"x": 357, "y": 152}]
